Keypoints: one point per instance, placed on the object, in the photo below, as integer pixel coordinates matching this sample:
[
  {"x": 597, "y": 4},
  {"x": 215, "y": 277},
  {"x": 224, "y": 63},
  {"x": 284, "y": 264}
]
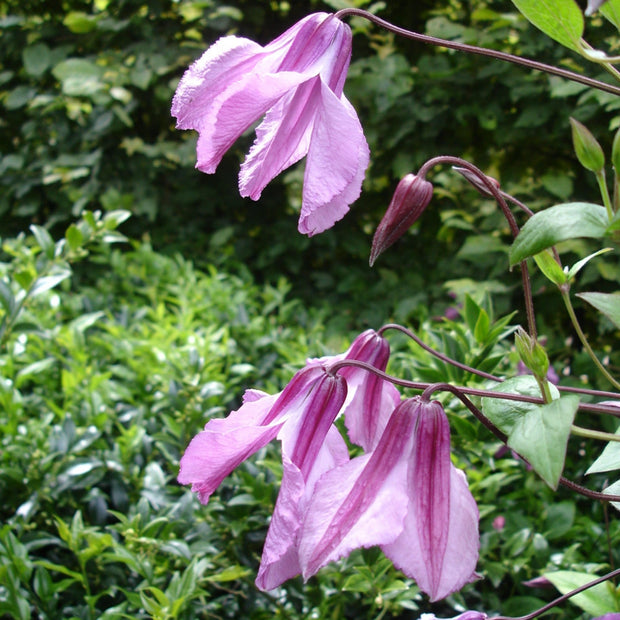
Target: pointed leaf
[
  {"x": 44, "y": 239},
  {"x": 548, "y": 265},
  {"x": 7, "y": 299},
  {"x": 607, "y": 303},
  {"x": 579, "y": 265},
  {"x": 609, "y": 458},
  {"x": 541, "y": 436},
  {"x": 613, "y": 489},
  {"x": 561, "y": 20},
  {"x": 611, "y": 10},
  {"x": 596, "y": 601},
  {"x": 506, "y": 413},
  {"x": 564, "y": 221},
  {"x": 48, "y": 282}
]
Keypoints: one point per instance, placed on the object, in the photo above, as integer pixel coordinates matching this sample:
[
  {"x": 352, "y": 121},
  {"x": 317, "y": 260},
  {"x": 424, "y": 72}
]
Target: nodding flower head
[{"x": 295, "y": 85}]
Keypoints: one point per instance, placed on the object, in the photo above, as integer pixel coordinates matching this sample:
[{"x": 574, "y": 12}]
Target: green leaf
[
  {"x": 548, "y": 265},
  {"x": 588, "y": 150},
  {"x": 579, "y": 265},
  {"x": 44, "y": 239},
  {"x": 570, "y": 220},
  {"x": 611, "y": 11},
  {"x": 48, "y": 282},
  {"x": 7, "y": 299},
  {"x": 74, "y": 237},
  {"x": 80, "y": 22},
  {"x": 596, "y": 601},
  {"x": 60, "y": 569},
  {"x": 232, "y": 573},
  {"x": 78, "y": 76},
  {"x": 37, "y": 58},
  {"x": 609, "y": 459},
  {"x": 541, "y": 436},
  {"x": 607, "y": 303},
  {"x": 505, "y": 413},
  {"x": 561, "y": 20}
]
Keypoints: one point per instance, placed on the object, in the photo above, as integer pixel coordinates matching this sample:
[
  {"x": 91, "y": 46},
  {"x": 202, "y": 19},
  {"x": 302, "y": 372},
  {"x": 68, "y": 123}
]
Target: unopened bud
[
  {"x": 477, "y": 182},
  {"x": 532, "y": 354},
  {"x": 588, "y": 150},
  {"x": 412, "y": 195},
  {"x": 615, "y": 153}
]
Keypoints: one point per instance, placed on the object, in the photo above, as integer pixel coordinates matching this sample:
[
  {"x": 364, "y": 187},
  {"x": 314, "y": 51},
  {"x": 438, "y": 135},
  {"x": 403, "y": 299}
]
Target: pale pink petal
[
  {"x": 369, "y": 410},
  {"x": 359, "y": 504},
  {"x": 439, "y": 544},
  {"x": 337, "y": 160},
  {"x": 235, "y": 110},
  {"x": 228, "y": 60},
  {"x": 226, "y": 443},
  {"x": 303, "y": 437},
  {"x": 322, "y": 46},
  {"x": 457, "y": 566},
  {"x": 280, "y": 559},
  {"x": 281, "y": 139}
]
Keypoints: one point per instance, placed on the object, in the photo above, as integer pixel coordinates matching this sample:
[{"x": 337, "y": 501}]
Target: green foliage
[{"x": 111, "y": 360}]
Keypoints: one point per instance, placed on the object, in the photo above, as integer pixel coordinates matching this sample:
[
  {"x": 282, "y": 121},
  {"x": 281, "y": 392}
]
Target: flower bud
[
  {"x": 588, "y": 150},
  {"x": 532, "y": 354},
  {"x": 411, "y": 197},
  {"x": 477, "y": 182}
]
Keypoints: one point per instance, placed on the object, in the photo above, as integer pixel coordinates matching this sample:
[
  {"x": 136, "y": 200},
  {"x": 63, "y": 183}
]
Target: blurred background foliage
[{"x": 112, "y": 357}]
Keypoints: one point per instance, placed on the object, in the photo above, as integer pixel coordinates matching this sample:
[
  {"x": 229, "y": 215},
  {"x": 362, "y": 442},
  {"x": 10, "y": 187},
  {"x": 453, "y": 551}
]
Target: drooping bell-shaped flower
[
  {"x": 311, "y": 446},
  {"x": 295, "y": 82},
  {"x": 226, "y": 442},
  {"x": 302, "y": 417},
  {"x": 405, "y": 496},
  {"x": 370, "y": 400}
]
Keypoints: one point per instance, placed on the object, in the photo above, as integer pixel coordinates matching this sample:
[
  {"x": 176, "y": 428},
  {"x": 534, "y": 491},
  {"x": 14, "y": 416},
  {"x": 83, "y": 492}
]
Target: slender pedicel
[{"x": 482, "y": 51}]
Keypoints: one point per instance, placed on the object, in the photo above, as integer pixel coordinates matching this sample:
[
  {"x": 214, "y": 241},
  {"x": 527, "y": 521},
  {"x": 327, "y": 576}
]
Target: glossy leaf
[
  {"x": 571, "y": 220},
  {"x": 609, "y": 460},
  {"x": 506, "y": 413},
  {"x": 541, "y": 436},
  {"x": 611, "y": 11},
  {"x": 607, "y": 303},
  {"x": 561, "y": 20},
  {"x": 596, "y": 601}
]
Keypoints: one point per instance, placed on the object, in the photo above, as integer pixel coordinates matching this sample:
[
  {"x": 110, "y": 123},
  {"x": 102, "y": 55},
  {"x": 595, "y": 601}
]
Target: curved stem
[
  {"x": 460, "y": 392},
  {"x": 482, "y": 51},
  {"x": 577, "y": 488},
  {"x": 603, "y": 409},
  {"x": 438, "y": 354},
  {"x": 583, "y": 339},
  {"x": 563, "y": 598},
  {"x": 512, "y": 223}
]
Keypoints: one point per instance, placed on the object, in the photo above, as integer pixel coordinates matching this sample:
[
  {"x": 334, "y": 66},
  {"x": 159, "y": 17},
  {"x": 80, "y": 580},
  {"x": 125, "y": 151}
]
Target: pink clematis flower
[
  {"x": 301, "y": 416},
  {"x": 295, "y": 82},
  {"x": 370, "y": 400},
  {"x": 405, "y": 496}
]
